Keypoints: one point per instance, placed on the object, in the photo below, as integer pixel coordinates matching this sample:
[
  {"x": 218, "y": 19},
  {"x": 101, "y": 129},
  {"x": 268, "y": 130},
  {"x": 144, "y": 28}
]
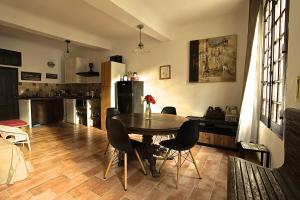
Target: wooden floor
[{"x": 69, "y": 163}]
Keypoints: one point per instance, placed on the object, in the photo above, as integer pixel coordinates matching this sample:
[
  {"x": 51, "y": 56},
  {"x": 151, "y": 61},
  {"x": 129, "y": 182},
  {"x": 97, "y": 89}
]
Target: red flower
[{"x": 149, "y": 99}]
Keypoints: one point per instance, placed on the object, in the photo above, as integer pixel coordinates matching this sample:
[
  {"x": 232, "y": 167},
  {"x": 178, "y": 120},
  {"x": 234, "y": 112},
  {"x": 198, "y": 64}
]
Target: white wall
[
  {"x": 37, "y": 51},
  {"x": 267, "y": 137},
  {"x": 188, "y": 98}
]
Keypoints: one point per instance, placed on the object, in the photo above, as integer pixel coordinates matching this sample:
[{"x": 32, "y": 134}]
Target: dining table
[{"x": 157, "y": 124}]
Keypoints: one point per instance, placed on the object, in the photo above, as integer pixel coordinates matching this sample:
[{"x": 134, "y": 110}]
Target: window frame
[{"x": 269, "y": 82}]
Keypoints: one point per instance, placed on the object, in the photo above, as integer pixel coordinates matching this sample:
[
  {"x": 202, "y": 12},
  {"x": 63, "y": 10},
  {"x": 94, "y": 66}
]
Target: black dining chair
[
  {"x": 166, "y": 110},
  {"x": 185, "y": 139},
  {"x": 119, "y": 139},
  {"x": 110, "y": 113},
  {"x": 169, "y": 110}
]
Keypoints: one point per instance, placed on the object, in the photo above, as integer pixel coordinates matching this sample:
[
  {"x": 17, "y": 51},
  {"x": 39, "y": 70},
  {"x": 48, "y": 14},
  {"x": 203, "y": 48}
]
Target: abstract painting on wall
[{"x": 213, "y": 59}]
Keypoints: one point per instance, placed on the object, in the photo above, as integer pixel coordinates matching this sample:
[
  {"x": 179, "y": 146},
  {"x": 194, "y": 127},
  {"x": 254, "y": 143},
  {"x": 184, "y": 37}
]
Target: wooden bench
[{"x": 247, "y": 180}]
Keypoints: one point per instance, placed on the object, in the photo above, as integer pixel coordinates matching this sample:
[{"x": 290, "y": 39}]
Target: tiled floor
[{"x": 69, "y": 163}]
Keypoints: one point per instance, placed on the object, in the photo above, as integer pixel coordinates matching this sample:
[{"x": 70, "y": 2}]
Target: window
[{"x": 274, "y": 62}]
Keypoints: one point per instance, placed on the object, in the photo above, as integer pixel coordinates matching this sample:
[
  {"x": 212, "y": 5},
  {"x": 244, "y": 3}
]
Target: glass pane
[
  {"x": 273, "y": 114},
  {"x": 281, "y": 69},
  {"x": 279, "y": 111},
  {"x": 277, "y": 10},
  {"x": 280, "y": 92},
  {"x": 267, "y": 108},
  {"x": 276, "y": 47},
  {"x": 268, "y": 92},
  {"x": 277, "y": 31},
  {"x": 265, "y": 77},
  {"x": 282, "y": 26},
  {"x": 264, "y": 91},
  {"x": 275, "y": 72},
  {"x": 283, "y": 4},
  {"x": 274, "y": 92}
]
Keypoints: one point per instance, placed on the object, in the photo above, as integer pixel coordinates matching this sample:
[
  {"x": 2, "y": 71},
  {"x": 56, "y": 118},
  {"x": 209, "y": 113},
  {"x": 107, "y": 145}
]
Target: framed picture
[
  {"x": 165, "y": 72},
  {"x": 51, "y": 76},
  {"x": 213, "y": 59},
  {"x": 31, "y": 76}
]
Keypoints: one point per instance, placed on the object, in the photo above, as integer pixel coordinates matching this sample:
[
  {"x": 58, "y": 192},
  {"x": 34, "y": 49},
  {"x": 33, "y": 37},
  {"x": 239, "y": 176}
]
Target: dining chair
[
  {"x": 119, "y": 139},
  {"x": 169, "y": 110},
  {"x": 110, "y": 113},
  {"x": 166, "y": 110},
  {"x": 185, "y": 139}
]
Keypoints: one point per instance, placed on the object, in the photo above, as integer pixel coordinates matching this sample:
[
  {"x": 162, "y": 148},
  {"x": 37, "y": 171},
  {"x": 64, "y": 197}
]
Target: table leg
[
  {"x": 268, "y": 159},
  {"x": 149, "y": 150},
  {"x": 262, "y": 158}
]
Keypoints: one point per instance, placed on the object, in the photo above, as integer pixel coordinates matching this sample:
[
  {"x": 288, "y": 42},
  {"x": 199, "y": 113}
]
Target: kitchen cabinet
[
  {"x": 73, "y": 65},
  {"x": 70, "y": 111},
  {"x": 43, "y": 112},
  {"x": 110, "y": 74}
]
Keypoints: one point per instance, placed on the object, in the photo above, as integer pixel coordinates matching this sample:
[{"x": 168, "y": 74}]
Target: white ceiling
[
  {"x": 75, "y": 13},
  {"x": 115, "y": 19},
  {"x": 179, "y": 12}
]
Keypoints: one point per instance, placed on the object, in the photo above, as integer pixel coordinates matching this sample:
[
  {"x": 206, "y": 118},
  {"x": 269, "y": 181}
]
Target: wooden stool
[{"x": 252, "y": 147}]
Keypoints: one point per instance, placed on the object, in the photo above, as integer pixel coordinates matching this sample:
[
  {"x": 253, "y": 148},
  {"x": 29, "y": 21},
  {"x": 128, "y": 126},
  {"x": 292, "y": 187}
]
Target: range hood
[{"x": 89, "y": 73}]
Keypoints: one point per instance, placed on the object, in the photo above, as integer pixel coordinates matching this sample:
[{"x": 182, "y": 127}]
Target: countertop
[{"x": 59, "y": 97}]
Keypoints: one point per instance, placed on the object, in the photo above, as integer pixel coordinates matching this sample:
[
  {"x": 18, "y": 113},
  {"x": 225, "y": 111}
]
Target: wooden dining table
[{"x": 159, "y": 124}]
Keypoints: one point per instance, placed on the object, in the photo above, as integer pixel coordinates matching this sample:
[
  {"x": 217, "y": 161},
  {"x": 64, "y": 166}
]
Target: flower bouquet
[{"x": 149, "y": 99}]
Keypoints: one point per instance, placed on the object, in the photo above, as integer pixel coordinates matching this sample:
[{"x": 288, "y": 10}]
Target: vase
[{"x": 148, "y": 111}]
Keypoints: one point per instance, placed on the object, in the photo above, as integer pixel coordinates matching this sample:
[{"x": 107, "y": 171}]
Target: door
[{"x": 9, "y": 106}]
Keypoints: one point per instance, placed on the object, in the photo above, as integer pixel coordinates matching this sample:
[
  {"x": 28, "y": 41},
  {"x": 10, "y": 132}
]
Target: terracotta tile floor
[{"x": 69, "y": 163}]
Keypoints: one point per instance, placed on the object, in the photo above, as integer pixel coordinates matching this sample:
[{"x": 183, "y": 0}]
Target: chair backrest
[
  {"x": 188, "y": 134},
  {"x": 110, "y": 113},
  {"x": 290, "y": 170},
  {"x": 169, "y": 110},
  {"x": 118, "y": 136}
]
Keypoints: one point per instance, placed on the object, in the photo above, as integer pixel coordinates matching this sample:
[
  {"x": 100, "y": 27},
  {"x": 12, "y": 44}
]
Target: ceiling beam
[
  {"x": 132, "y": 13},
  {"x": 18, "y": 18}
]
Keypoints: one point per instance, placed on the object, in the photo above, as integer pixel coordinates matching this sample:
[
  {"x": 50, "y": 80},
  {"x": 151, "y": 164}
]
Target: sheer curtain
[{"x": 250, "y": 111}]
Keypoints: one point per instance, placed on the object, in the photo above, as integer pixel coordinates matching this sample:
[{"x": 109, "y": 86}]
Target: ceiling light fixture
[
  {"x": 140, "y": 48},
  {"x": 67, "y": 52}
]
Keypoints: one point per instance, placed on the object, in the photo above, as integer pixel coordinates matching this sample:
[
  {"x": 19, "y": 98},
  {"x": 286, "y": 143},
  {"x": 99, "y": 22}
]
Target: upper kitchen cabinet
[{"x": 76, "y": 65}]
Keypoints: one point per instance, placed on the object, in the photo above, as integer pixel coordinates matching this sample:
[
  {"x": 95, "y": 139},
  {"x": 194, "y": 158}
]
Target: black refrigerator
[{"x": 129, "y": 96}]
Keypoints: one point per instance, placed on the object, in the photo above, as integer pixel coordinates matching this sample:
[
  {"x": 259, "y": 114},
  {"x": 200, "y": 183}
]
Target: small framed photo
[{"x": 165, "y": 72}]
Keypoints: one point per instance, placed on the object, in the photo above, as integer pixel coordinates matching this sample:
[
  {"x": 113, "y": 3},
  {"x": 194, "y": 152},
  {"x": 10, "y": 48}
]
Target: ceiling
[
  {"x": 107, "y": 20},
  {"x": 178, "y": 13}
]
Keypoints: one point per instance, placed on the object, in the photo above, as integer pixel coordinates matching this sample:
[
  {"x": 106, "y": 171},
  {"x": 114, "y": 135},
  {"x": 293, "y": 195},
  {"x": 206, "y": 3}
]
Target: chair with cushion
[
  {"x": 185, "y": 139},
  {"x": 110, "y": 113},
  {"x": 119, "y": 139},
  {"x": 169, "y": 110}
]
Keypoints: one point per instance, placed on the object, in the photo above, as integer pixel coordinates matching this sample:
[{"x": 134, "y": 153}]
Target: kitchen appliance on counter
[{"x": 129, "y": 96}]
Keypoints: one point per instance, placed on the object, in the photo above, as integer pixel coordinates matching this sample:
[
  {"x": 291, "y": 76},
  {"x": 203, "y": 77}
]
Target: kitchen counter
[
  {"x": 40, "y": 98},
  {"x": 60, "y": 97}
]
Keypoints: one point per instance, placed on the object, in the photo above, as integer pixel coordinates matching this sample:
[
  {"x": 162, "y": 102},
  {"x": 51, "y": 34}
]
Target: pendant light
[
  {"x": 140, "y": 48},
  {"x": 67, "y": 53}
]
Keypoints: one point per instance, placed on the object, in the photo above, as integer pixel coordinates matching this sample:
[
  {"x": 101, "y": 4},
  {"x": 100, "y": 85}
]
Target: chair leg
[
  {"x": 125, "y": 171},
  {"x": 195, "y": 164},
  {"x": 178, "y": 167},
  {"x": 165, "y": 159},
  {"x": 106, "y": 149},
  {"x": 140, "y": 161},
  {"x": 109, "y": 164},
  {"x": 28, "y": 143}
]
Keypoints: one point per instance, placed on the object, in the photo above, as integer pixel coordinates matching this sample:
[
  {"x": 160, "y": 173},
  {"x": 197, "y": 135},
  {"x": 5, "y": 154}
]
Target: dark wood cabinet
[{"x": 46, "y": 111}]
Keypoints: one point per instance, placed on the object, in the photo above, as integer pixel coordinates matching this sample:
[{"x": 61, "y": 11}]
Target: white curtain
[{"x": 250, "y": 111}]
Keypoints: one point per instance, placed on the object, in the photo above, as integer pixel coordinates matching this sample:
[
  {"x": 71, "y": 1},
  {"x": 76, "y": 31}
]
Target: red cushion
[{"x": 13, "y": 123}]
